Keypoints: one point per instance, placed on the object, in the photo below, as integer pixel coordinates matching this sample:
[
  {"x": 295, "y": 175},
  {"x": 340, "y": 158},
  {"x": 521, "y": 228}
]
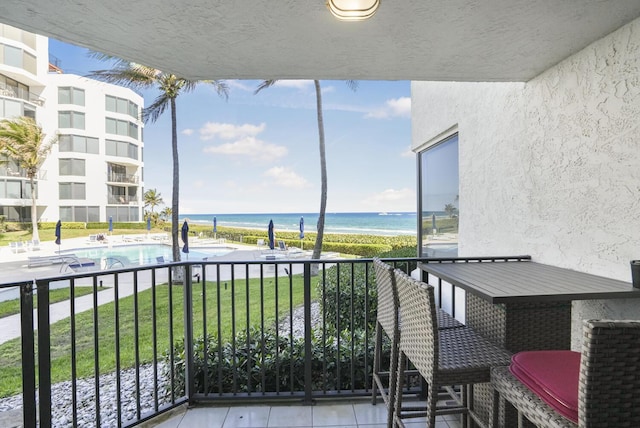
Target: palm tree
[
  {"x": 22, "y": 140},
  {"x": 152, "y": 198},
  {"x": 317, "y": 248},
  {"x": 165, "y": 214},
  {"x": 136, "y": 76}
]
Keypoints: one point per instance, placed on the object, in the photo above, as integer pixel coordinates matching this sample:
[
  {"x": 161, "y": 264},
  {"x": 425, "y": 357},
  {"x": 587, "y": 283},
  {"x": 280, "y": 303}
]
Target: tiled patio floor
[{"x": 351, "y": 415}]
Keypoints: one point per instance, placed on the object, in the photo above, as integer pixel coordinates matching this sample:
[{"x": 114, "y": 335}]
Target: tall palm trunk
[
  {"x": 317, "y": 249},
  {"x": 176, "y": 183},
  {"x": 34, "y": 211}
]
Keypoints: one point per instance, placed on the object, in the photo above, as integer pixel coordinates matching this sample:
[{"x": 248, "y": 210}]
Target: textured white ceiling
[{"x": 465, "y": 40}]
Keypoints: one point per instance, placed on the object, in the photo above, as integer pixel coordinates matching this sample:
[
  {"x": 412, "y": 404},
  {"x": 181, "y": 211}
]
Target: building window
[
  {"x": 71, "y": 119},
  {"x": 121, "y": 127},
  {"x": 121, "y": 105},
  {"x": 80, "y": 214},
  {"x": 10, "y": 108},
  {"x": 123, "y": 213},
  {"x": 121, "y": 149},
  {"x": 72, "y": 167},
  {"x": 16, "y": 57},
  {"x": 72, "y": 191},
  {"x": 438, "y": 214},
  {"x": 70, "y": 95},
  {"x": 78, "y": 144}
]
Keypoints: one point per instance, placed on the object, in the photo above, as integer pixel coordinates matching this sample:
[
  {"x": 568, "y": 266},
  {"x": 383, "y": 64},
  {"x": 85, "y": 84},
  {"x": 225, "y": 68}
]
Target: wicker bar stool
[
  {"x": 387, "y": 323},
  {"x": 447, "y": 357},
  {"x": 608, "y": 383}
]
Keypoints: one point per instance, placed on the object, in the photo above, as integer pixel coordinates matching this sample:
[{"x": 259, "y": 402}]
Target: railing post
[
  {"x": 28, "y": 356},
  {"x": 44, "y": 354},
  {"x": 188, "y": 333},
  {"x": 307, "y": 334}
]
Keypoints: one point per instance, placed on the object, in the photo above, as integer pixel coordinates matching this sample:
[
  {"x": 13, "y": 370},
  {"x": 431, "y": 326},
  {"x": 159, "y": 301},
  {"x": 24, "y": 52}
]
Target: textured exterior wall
[{"x": 551, "y": 167}]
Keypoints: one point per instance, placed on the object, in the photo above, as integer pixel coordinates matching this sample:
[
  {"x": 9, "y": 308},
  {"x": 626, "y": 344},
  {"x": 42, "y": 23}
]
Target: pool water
[{"x": 144, "y": 254}]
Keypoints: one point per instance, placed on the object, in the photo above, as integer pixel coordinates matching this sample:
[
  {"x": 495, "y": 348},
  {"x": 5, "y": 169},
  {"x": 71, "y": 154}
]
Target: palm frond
[
  {"x": 352, "y": 84},
  {"x": 155, "y": 110},
  {"x": 221, "y": 88},
  {"x": 265, "y": 84}
]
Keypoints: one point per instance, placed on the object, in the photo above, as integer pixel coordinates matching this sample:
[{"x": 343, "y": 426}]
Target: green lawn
[
  {"x": 12, "y": 307},
  {"x": 262, "y": 307}
]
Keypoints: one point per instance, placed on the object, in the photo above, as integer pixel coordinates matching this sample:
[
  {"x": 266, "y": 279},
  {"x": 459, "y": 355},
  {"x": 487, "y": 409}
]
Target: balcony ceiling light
[{"x": 353, "y": 10}]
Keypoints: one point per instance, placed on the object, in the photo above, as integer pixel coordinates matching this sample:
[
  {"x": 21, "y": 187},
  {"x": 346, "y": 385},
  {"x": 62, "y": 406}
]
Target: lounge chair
[
  {"x": 282, "y": 246},
  {"x": 34, "y": 245},
  {"x": 17, "y": 247}
]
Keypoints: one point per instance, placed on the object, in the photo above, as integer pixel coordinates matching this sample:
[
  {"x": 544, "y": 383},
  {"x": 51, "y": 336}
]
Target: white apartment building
[{"x": 95, "y": 170}]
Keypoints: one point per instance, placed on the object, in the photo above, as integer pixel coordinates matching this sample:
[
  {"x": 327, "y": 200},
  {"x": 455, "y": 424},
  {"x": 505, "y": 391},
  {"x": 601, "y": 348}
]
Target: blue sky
[{"x": 259, "y": 153}]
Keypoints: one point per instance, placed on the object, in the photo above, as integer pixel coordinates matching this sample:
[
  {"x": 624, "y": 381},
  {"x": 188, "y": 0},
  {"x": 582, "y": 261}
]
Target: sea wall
[{"x": 550, "y": 167}]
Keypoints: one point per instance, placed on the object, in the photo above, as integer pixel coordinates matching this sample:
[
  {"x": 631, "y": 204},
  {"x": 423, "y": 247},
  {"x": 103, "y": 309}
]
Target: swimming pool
[{"x": 144, "y": 254}]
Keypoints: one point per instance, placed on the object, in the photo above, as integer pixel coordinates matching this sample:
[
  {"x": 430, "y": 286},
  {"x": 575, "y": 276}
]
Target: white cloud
[
  {"x": 392, "y": 200},
  {"x": 249, "y": 147},
  {"x": 395, "y": 107},
  {"x": 286, "y": 177},
  {"x": 187, "y": 131},
  {"x": 229, "y": 131}
]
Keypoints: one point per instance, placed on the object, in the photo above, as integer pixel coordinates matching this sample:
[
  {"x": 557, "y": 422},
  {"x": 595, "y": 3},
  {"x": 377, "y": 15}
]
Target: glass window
[
  {"x": 122, "y": 106},
  {"x": 66, "y": 214},
  {"x": 13, "y": 56},
  {"x": 110, "y": 126},
  {"x": 110, "y": 103},
  {"x": 93, "y": 213},
  {"x": 78, "y": 96},
  {"x": 72, "y": 191},
  {"x": 122, "y": 127},
  {"x": 72, "y": 167},
  {"x": 70, "y": 119},
  {"x": 64, "y": 96},
  {"x": 438, "y": 197},
  {"x": 13, "y": 190},
  {"x": 133, "y": 109},
  {"x": 68, "y": 95}
]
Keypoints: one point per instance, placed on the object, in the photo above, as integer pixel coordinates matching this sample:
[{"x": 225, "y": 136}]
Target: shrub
[
  {"x": 357, "y": 293},
  {"x": 404, "y": 252},
  {"x": 254, "y": 365}
]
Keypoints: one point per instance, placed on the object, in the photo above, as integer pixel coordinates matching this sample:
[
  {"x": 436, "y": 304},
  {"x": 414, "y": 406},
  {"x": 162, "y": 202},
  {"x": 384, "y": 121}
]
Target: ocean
[{"x": 372, "y": 223}]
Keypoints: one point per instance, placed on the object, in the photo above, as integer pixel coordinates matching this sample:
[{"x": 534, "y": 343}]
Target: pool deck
[{"x": 14, "y": 267}]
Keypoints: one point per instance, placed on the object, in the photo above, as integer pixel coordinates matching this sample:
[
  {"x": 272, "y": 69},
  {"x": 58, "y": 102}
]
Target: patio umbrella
[
  {"x": 58, "y": 227},
  {"x": 433, "y": 223},
  {"x": 301, "y": 232},
  {"x": 272, "y": 238},
  {"x": 185, "y": 238},
  {"x": 215, "y": 228},
  {"x": 110, "y": 224},
  {"x": 148, "y": 224}
]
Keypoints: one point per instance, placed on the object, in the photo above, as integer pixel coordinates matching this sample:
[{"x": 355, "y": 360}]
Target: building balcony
[
  {"x": 123, "y": 178},
  {"x": 9, "y": 91},
  {"x": 262, "y": 315},
  {"x": 122, "y": 200}
]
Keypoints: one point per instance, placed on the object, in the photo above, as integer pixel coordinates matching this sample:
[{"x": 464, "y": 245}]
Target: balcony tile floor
[{"x": 347, "y": 415}]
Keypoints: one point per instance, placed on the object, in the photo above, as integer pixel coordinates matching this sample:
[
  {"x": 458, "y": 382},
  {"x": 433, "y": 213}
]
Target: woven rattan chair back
[
  {"x": 609, "y": 388},
  {"x": 419, "y": 339},
  {"x": 387, "y": 298}
]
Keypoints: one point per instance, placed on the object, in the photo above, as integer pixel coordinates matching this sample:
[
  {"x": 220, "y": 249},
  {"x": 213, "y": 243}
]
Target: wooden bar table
[{"x": 519, "y": 304}]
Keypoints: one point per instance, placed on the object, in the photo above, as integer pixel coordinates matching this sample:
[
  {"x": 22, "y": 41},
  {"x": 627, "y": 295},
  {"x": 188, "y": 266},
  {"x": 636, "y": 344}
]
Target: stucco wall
[{"x": 550, "y": 167}]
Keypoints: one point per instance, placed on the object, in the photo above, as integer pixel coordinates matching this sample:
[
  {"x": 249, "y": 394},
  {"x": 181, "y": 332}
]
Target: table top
[{"x": 527, "y": 281}]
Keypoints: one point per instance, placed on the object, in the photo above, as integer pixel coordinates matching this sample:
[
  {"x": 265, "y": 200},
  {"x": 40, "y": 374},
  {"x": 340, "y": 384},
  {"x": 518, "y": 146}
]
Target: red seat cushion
[{"x": 553, "y": 376}]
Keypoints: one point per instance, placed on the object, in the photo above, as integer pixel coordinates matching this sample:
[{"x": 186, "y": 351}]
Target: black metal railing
[{"x": 147, "y": 339}]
